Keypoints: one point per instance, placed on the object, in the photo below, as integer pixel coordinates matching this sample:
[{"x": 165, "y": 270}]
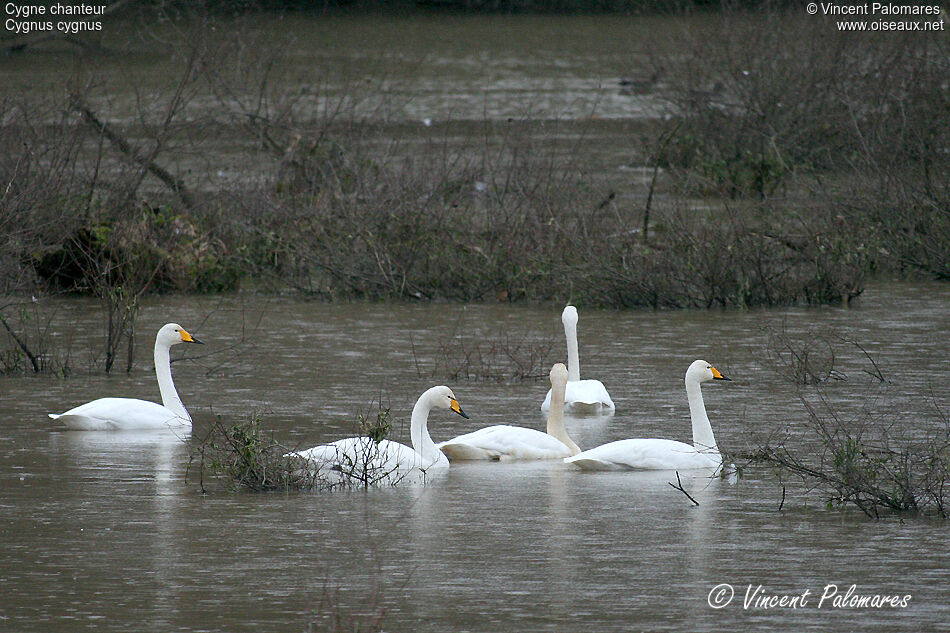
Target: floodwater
[
  {"x": 453, "y": 80},
  {"x": 109, "y": 531}
]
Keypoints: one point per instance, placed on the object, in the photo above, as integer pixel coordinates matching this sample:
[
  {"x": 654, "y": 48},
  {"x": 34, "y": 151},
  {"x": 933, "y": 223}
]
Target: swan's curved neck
[
  {"x": 163, "y": 371},
  {"x": 419, "y": 430},
  {"x": 703, "y": 439},
  {"x": 573, "y": 361},
  {"x": 556, "y": 426}
]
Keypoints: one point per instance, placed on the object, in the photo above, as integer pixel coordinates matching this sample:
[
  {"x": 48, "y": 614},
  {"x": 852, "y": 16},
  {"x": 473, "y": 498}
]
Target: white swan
[
  {"x": 121, "y": 414},
  {"x": 362, "y": 460},
  {"x": 503, "y": 441},
  {"x": 582, "y": 396},
  {"x": 657, "y": 454}
]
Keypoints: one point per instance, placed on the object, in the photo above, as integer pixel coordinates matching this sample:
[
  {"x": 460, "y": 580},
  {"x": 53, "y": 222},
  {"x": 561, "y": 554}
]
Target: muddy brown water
[
  {"x": 106, "y": 532},
  {"x": 109, "y": 532}
]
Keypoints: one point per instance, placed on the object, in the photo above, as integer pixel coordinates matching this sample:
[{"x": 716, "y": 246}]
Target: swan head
[
  {"x": 443, "y": 398},
  {"x": 173, "y": 334},
  {"x": 558, "y": 375},
  {"x": 569, "y": 316},
  {"x": 701, "y": 371}
]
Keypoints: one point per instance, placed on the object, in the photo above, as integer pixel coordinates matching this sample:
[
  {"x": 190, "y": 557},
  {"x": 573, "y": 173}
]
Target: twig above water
[{"x": 679, "y": 486}]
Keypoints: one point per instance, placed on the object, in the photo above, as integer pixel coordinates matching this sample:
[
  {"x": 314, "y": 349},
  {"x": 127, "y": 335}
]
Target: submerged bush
[
  {"x": 821, "y": 155},
  {"x": 244, "y": 456},
  {"x": 25, "y": 332},
  {"x": 155, "y": 248},
  {"x": 728, "y": 258},
  {"x": 870, "y": 456}
]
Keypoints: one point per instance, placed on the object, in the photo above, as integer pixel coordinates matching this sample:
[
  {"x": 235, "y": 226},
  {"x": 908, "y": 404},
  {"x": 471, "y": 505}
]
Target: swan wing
[
  {"x": 362, "y": 459},
  {"x": 504, "y": 442},
  {"x": 644, "y": 454},
  {"x": 120, "y": 414},
  {"x": 583, "y": 396}
]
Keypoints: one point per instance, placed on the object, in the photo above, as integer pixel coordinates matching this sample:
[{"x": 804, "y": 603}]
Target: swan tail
[
  {"x": 589, "y": 408},
  {"x": 590, "y": 463},
  {"x": 463, "y": 452},
  {"x": 83, "y": 423}
]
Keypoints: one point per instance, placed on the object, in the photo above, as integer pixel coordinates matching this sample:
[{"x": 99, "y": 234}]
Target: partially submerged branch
[
  {"x": 146, "y": 161},
  {"x": 245, "y": 456},
  {"x": 34, "y": 361},
  {"x": 870, "y": 458},
  {"x": 679, "y": 486}
]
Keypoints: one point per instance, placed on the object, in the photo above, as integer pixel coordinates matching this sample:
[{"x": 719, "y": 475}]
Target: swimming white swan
[
  {"x": 657, "y": 454},
  {"x": 506, "y": 442},
  {"x": 121, "y": 414},
  {"x": 362, "y": 460},
  {"x": 582, "y": 396}
]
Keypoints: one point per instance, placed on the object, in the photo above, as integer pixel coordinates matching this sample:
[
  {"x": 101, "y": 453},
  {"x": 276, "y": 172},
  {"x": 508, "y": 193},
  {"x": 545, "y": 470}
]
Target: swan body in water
[
  {"x": 363, "y": 460},
  {"x": 506, "y": 442},
  {"x": 581, "y": 396},
  {"x": 131, "y": 414},
  {"x": 660, "y": 454}
]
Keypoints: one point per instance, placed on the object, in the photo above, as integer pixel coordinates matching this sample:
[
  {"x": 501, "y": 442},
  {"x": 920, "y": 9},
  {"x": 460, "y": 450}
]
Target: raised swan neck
[
  {"x": 570, "y": 333},
  {"x": 419, "y": 432},
  {"x": 166, "y": 386},
  {"x": 556, "y": 426},
  {"x": 703, "y": 439}
]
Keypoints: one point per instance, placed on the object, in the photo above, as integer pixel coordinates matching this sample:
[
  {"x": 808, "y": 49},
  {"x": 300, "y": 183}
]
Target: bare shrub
[
  {"x": 868, "y": 461},
  {"x": 332, "y": 616},
  {"x": 243, "y": 455},
  {"x": 902, "y": 156},
  {"x": 444, "y": 224},
  {"x": 242, "y": 165},
  {"x": 803, "y": 362},
  {"x": 765, "y": 94},
  {"x": 775, "y": 104},
  {"x": 43, "y": 198},
  {"x": 729, "y": 257},
  {"x": 861, "y": 452},
  {"x": 28, "y": 345}
]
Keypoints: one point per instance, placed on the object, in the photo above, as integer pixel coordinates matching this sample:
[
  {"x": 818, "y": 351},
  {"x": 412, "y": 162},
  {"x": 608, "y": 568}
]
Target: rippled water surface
[{"x": 109, "y": 532}]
